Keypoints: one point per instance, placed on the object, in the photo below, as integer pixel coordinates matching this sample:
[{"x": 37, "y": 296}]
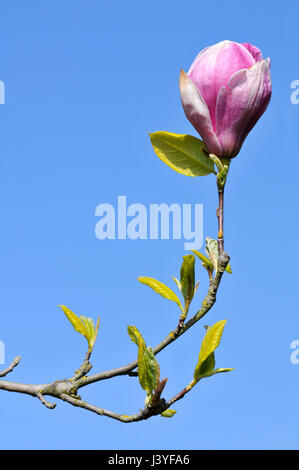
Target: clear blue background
[{"x": 85, "y": 83}]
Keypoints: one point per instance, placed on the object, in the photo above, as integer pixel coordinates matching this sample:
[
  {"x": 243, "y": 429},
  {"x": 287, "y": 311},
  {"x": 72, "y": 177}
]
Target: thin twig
[
  {"x": 46, "y": 403},
  {"x": 11, "y": 367},
  {"x": 84, "y": 368},
  {"x": 178, "y": 397},
  {"x": 142, "y": 415}
]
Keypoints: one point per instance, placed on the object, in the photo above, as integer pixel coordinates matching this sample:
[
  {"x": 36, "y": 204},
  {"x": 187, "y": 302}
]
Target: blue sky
[{"x": 85, "y": 83}]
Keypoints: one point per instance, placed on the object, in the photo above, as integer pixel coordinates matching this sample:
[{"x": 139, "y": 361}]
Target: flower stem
[
  {"x": 222, "y": 165},
  {"x": 220, "y": 219}
]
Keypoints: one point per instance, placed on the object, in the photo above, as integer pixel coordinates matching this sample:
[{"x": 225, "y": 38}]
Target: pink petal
[
  {"x": 214, "y": 67},
  {"x": 241, "y": 104},
  {"x": 197, "y": 59},
  {"x": 198, "y": 114},
  {"x": 254, "y": 51}
]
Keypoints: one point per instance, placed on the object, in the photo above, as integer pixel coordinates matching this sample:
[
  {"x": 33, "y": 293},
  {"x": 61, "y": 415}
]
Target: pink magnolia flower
[{"x": 225, "y": 92}]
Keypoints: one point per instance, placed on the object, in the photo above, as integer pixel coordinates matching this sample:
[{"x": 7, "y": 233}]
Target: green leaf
[
  {"x": 210, "y": 342},
  {"x": 212, "y": 251},
  {"x": 135, "y": 336},
  {"x": 84, "y": 326},
  {"x": 188, "y": 277},
  {"x": 177, "y": 283},
  {"x": 148, "y": 367},
  {"x": 183, "y": 153},
  {"x": 213, "y": 372},
  {"x": 149, "y": 371},
  {"x": 161, "y": 289},
  {"x": 204, "y": 260},
  {"x": 75, "y": 321},
  {"x": 207, "y": 365},
  {"x": 91, "y": 330},
  {"x": 228, "y": 269},
  {"x": 168, "y": 413},
  {"x": 157, "y": 373}
]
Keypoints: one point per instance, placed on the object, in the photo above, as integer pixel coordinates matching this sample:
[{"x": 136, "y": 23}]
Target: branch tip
[
  {"x": 11, "y": 367},
  {"x": 46, "y": 403}
]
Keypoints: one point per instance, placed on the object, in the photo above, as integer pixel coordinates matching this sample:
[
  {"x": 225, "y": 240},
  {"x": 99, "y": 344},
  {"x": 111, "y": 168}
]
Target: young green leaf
[
  {"x": 177, "y": 283},
  {"x": 207, "y": 365},
  {"x": 188, "y": 277},
  {"x": 210, "y": 342},
  {"x": 84, "y": 326},
  {"x": 157, "y": 373},
  {"x": 207, "y": 264},
  {"x": 228, "y": 269},
  {"x": 213, "y": 372},
  {"x": 91, "y": 330},
  {"x": 161, "y": 289},
  {"x": 149, "y": 371},
  {"x": 75, "y": 321},
  {"x": 212, "y": 252},
  {"x": 148, "y": 367},
  {"x": 168, "y": 413},
  {"x": 135, "y": 336},
  {"x": 183, "y": 153}
]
